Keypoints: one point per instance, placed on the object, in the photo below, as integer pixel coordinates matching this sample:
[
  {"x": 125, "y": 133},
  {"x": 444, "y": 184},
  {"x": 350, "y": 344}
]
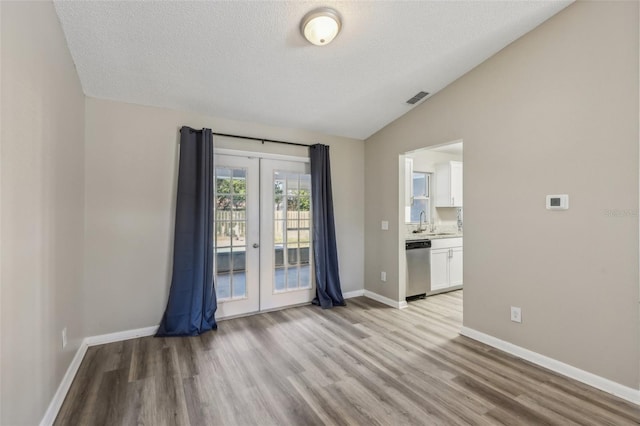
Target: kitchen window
[{"x": 421, "y": 196}]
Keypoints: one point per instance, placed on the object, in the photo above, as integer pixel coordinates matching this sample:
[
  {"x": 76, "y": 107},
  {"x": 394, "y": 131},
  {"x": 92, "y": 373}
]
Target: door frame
[
  {"x": 267, "y": 156},
  {"x": 258, "y": 154},
  {"x": 402, "y": 228}
]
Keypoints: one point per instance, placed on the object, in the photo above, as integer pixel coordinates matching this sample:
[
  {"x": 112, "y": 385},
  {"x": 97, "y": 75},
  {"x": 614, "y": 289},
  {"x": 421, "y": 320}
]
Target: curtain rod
[{"x": 259, "y": 139}]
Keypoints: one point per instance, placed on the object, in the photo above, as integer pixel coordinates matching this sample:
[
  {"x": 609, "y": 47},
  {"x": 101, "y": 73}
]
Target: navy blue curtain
[
  {"x": 325, "y": 253},
  {"x": 192, "y": 299}
]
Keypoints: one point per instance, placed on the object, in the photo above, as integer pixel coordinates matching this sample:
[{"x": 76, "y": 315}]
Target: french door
[
  {"x": 285, "y": 224},
  {"x": 236, "y": 252},
  {"x": 262, "y": 245}
]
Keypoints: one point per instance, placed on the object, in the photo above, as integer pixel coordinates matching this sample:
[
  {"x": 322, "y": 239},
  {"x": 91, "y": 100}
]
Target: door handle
[{"x": 256, "y": 245}]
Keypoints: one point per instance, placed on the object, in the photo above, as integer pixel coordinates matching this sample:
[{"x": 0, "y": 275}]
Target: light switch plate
[
  {"x": 385, "y": 225},
  {"x": 516, "y": 314}
]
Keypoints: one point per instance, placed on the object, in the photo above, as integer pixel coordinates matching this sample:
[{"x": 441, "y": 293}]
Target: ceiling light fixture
[{"x": 321, "y": 26}]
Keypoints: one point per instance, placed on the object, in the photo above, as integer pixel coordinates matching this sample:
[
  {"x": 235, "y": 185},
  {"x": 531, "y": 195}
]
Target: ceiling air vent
[{"x": 417, "y": 98}]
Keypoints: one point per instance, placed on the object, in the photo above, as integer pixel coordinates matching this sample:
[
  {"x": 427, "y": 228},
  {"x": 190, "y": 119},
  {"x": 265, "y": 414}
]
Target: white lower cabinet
[
  {"x": 446, "y": 263},
  {"x": 439, "y": 269},
  {"x": 455, "y": 267}
]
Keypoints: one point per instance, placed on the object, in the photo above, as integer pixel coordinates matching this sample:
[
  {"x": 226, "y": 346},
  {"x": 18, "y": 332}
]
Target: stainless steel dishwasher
[{"x": 418, "y": 268}]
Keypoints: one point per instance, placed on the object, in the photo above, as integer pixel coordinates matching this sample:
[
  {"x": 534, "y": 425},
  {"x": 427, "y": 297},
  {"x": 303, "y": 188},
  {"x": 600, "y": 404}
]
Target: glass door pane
[
  {"x": 231, "y": 224},
  {"x": 291, "y": 225}
]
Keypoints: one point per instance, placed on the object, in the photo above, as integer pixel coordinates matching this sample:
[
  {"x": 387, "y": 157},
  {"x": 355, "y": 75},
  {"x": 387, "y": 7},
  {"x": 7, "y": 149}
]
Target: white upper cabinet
[{"x": 449, "y": 184}]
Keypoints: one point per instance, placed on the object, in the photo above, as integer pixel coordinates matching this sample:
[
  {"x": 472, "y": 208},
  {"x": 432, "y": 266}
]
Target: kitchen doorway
[{"x": 431, "y": 220}]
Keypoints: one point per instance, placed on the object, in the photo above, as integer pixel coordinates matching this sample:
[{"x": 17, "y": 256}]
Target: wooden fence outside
[{"x": 233, "y": 222}]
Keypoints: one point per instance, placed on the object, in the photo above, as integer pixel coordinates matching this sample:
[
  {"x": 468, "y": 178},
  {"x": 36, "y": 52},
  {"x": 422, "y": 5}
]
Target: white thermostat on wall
[{"x": 557, "y": 202}]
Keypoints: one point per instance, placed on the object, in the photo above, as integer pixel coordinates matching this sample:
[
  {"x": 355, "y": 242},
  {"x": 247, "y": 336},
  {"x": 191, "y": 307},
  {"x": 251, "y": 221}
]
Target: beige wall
[
  {"x": 131, "y": 169},
  {"x": 42, "y": 209},
  {"x": 554, "y": 112}
]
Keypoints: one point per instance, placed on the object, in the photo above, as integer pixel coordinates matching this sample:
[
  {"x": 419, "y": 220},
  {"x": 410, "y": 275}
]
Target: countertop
[{"x": 430, "y": 236}]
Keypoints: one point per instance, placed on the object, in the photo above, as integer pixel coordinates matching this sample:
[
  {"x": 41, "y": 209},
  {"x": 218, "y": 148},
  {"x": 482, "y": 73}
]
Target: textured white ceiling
[{"x": 246, "y": 60}]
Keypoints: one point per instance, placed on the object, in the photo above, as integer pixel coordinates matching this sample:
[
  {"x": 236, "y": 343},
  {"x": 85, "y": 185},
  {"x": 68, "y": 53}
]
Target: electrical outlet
[
  {"x": 516, "y": 314},
  {"x": 64, "y": 337},
  {"x": 385, "y": 225},
  {"x": 383, "y": 276}
]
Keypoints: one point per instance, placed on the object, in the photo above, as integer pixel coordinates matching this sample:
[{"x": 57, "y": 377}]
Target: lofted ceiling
[{"x": 246, "y": 60}]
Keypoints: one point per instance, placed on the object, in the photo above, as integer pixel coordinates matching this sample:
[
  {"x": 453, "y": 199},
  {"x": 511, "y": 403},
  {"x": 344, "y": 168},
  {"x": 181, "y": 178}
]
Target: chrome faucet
[
  {"x": 459, "y": 213},
  {"x": 423, "y": 214}
]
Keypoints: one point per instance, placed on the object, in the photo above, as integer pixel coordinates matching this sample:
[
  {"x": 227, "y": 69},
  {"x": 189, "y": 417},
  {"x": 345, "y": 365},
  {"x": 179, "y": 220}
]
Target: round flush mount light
[{"x": 320, "y": 26}]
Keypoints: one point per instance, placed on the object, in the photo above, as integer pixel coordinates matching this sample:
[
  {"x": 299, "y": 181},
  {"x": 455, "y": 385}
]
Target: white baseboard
[
  {"x": 389, "y": 302},
  {"x": 606, "y": 385},
  {"x": 120, "y": 336},
  {"x": 63, "y": 388},
  {"x": 351, "y": 294},
  {"x": 58, "y": 398}
]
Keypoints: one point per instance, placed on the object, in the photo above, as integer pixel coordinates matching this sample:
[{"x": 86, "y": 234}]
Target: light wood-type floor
[{"x": 364, "y": 364}]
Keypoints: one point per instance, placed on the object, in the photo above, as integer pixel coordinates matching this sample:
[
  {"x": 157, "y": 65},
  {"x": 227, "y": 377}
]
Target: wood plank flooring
[{"x": 364, "y": 364}]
